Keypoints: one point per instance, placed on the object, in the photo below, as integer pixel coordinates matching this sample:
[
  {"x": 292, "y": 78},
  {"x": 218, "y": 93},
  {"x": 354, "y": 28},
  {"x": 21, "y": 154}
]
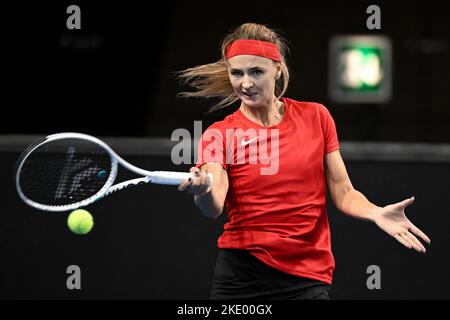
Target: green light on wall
[{"x": 360, "y": 69}]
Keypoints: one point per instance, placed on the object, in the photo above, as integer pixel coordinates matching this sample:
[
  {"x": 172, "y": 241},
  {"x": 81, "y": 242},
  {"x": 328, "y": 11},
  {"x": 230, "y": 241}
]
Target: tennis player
[{"x": 276, "y": 242}]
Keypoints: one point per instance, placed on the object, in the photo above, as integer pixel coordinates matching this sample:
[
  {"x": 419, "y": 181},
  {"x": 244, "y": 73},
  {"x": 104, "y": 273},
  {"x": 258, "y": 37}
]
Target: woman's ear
[{"x": 278, "y": 74}]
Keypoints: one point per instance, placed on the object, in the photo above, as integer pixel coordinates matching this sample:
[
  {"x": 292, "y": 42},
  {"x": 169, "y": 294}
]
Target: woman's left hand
[{"x": 392, "y": 219}]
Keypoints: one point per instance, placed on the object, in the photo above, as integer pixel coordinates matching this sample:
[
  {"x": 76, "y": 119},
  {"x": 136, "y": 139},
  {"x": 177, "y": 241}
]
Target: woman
[{"x": 276, "y": 242}]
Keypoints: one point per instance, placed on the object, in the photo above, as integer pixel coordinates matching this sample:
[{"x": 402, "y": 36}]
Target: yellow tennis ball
[{"x": 80, "y": 221}]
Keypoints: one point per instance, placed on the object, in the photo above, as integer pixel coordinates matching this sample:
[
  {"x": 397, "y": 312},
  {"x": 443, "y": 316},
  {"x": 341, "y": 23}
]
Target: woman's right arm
[{"x": 210, "y": 199}]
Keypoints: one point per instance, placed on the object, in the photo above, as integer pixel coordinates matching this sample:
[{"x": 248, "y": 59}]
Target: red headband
[{"x": 255, "y": 48}]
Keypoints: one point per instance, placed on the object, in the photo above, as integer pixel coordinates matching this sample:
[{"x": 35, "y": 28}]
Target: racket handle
[
  {"x": 169, "y": 177},
  {"x": 173, "y": 178}
]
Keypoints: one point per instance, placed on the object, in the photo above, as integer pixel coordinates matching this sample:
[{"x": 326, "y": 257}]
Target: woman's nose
[{"x": 247, "y": 82}]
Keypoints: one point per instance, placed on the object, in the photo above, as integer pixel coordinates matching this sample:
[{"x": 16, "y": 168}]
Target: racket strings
[{"x": 64, "y": 171}]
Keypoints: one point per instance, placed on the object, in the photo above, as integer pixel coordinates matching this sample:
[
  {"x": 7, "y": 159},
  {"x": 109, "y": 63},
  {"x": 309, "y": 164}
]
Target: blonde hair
[{"x": 212, "y": 80}]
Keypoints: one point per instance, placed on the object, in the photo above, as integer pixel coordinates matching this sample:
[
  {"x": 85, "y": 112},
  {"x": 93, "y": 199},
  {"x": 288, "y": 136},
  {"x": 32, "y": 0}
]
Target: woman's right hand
[{"x": 198, "y": 185}]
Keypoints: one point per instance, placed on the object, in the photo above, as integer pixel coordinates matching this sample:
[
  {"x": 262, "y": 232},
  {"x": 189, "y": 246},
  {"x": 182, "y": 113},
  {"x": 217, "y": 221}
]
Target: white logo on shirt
[{"x": 244, "y": 143}]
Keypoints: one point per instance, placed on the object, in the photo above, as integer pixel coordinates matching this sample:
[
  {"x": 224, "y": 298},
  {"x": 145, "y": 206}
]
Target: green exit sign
[{"x": 360, "y": 69}]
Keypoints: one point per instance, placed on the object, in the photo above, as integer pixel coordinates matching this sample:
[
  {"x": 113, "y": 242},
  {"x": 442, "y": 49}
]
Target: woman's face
[{"x": 253, "y": 79}]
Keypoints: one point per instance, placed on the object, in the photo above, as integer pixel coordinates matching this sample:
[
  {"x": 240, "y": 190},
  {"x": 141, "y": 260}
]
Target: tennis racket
[{"x": 65, "y": 171}]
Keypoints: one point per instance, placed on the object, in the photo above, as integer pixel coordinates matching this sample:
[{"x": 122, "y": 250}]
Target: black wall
[
  {"x": 115, "y": 76},
  {"x": 152, "y": 243}
]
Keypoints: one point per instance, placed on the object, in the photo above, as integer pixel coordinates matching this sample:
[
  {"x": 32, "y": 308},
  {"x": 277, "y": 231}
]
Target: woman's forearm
[
  {"x": 356, "y": 205},
  {"x": 209, "y": 204}
]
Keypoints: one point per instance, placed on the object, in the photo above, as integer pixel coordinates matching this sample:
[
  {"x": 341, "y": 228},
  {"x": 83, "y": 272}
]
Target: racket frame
[{"x": 108, "y": 188}]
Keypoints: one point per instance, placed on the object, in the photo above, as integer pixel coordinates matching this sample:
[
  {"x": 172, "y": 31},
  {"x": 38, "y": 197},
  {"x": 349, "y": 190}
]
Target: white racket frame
[{"x": 156, "y": 177}]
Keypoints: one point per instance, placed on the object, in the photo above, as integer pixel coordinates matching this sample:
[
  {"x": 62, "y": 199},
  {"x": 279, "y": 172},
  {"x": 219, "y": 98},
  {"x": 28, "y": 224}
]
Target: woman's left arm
[{"x": 390, "y": 218}]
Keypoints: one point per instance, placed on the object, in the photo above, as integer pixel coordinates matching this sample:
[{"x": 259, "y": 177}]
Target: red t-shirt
[{"x": 276, "y": 199}]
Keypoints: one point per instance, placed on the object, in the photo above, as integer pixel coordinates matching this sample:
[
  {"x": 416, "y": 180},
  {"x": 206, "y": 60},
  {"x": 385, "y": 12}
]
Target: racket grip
[
  {"x": 169, "y": 177},
  {"x": 173, "y": 178}
]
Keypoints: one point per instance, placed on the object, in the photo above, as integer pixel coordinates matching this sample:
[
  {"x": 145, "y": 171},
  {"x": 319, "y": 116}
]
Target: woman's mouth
[{"x": 249, "y": 95}]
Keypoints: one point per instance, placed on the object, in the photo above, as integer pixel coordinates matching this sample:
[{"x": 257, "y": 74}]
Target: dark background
[
  {"x": 115, "y": 77},
  {"x": 151, "y": 242}
]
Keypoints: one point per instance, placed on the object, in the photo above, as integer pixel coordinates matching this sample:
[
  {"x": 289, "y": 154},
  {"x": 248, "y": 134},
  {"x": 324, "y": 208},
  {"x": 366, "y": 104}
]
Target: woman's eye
[{"x": 253, "y": 73}]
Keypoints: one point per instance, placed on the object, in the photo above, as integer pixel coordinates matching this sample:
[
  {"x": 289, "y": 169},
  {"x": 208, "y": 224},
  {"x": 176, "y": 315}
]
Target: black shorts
[{"x": 240, "y": 275}]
